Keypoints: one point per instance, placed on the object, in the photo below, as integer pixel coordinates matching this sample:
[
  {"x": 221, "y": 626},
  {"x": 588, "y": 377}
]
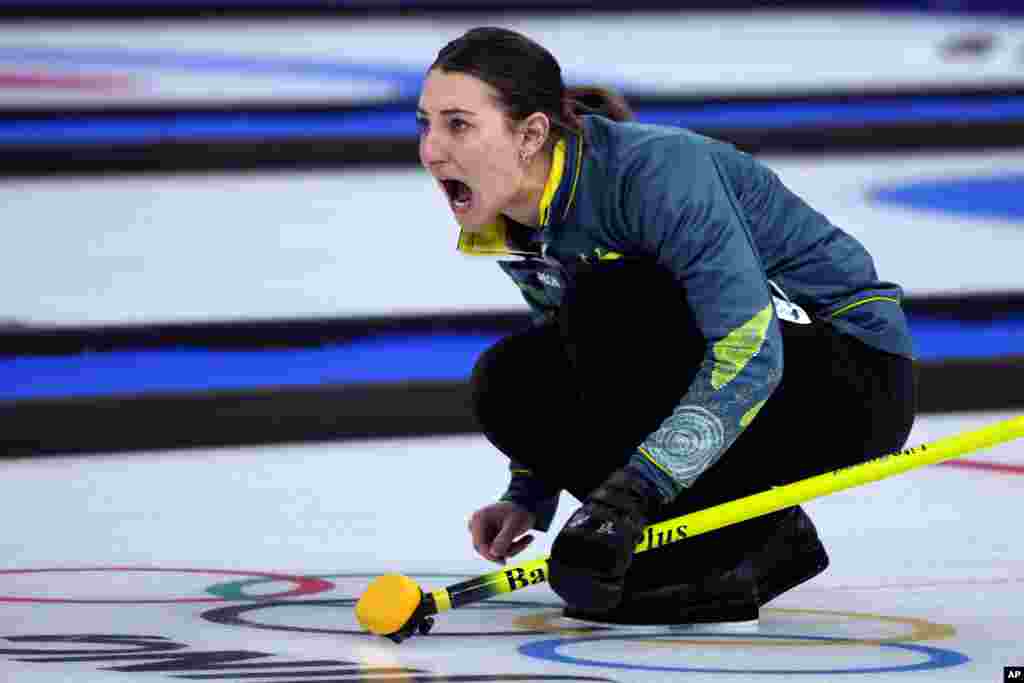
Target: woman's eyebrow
[{"x": 447, "y": 112}]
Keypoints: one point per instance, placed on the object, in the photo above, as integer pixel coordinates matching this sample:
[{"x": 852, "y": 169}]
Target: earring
[{"x": 524, "y": 156}]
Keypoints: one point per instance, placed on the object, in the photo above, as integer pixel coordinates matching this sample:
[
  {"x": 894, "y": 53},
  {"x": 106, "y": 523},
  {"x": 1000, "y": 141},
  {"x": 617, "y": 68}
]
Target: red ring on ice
[{"x": 304, "y": 585}]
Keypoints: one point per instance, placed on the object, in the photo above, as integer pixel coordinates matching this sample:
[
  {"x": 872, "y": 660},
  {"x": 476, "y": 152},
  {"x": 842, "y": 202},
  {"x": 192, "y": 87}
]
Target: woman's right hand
[{"x": 497, "y": 530}]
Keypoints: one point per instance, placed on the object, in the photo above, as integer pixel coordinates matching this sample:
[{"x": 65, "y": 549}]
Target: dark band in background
[
  {"x": 336, "y": 153},
  {"x": 418, "y": 409},
  {"x": 133, "y": 9}
]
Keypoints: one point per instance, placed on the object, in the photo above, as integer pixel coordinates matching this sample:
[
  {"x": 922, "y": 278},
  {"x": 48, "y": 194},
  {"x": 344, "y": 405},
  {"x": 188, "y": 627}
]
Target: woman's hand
[{"x": 497, "y": 530}]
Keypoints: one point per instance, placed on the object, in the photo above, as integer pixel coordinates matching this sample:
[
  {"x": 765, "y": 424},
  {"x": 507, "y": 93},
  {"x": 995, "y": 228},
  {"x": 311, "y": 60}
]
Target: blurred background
[{"x": 215, "y": 231}]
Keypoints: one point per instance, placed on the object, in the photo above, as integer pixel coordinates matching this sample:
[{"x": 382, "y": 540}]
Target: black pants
[{"x": 572, "y": 400}]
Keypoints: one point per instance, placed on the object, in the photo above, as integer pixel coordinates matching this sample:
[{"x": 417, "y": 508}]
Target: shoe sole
[{"x": 749, "y": 626}]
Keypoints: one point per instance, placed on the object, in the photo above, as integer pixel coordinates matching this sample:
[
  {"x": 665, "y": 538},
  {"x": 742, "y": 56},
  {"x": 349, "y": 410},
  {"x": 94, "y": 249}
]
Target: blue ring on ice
[{"x": 937, "y": 658}]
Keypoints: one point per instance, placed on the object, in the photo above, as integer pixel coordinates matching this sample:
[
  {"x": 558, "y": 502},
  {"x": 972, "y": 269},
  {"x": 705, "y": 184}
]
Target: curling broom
[{"x": 394, "y": 606}]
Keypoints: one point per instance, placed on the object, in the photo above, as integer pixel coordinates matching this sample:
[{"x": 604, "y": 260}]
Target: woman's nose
[{"x": 431, "y": 151}]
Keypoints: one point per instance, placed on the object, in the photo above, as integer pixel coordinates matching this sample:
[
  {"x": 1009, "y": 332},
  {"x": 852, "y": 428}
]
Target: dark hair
[{"x": 528, "y": 79}]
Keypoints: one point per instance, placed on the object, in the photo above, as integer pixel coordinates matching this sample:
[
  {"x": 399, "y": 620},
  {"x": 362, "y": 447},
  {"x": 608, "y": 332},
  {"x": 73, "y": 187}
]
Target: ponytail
[{"x": 594, "y": 100}]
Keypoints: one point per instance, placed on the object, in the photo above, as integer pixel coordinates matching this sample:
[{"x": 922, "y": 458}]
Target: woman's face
[{"x": 468, "y": 146}]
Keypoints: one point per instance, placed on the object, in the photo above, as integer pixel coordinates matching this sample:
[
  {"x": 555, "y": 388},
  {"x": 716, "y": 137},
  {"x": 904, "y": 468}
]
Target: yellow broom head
[{"x": 388, "y": 603}]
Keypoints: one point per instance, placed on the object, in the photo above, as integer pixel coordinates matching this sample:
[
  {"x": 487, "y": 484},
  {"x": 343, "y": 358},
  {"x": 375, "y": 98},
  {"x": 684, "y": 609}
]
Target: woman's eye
[{"x": 458, "y": 125}]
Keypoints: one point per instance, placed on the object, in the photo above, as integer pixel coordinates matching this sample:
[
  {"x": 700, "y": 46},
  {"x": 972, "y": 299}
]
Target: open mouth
[{"x": 460, "y": 195}]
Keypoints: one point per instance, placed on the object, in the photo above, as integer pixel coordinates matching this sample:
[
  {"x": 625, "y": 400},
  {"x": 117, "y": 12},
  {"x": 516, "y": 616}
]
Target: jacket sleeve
[
  {"x": 678, "y": 209},
  {"x": 526, "y": 490}
]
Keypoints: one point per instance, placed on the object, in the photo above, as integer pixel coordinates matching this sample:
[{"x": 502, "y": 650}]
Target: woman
[{"x": 701, "y": 334}]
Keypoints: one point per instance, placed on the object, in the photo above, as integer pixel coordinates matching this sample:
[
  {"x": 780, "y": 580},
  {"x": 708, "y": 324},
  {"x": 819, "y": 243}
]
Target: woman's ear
[{"x": 536, "y": 129}]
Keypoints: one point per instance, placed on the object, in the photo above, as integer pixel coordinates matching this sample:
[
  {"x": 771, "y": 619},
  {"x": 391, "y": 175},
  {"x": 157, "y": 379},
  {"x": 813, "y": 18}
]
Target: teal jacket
[{"x": 732, "y": 235}]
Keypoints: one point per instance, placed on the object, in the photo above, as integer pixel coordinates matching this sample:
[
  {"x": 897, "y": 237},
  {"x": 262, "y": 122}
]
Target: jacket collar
[{"x": 503, "y": 237}]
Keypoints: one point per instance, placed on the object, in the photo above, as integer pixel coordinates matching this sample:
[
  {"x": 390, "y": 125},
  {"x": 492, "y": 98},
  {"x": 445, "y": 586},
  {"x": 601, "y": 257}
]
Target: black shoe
[{"x": 792, "y": 555}]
